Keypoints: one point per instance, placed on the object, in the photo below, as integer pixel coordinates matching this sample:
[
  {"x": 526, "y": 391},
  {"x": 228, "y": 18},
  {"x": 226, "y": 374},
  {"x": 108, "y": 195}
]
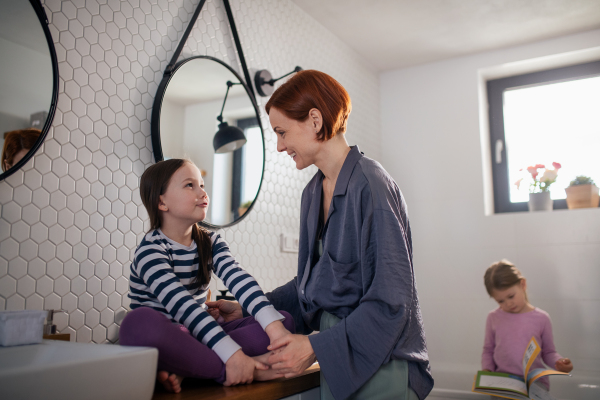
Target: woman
[
  {"x": 355, "y": 281},
  {"x": 16, "y": 145}
]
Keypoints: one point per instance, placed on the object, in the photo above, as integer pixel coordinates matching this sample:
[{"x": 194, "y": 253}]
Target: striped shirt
[{"x": 162, "y": 275}]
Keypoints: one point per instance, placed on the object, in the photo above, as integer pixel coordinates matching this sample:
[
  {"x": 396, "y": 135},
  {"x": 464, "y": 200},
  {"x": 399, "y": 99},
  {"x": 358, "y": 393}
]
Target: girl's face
[
  {"x": 512, "y": 300},
  {"x": 297, "y": 138},
  {"x": 185, "y": 199}
]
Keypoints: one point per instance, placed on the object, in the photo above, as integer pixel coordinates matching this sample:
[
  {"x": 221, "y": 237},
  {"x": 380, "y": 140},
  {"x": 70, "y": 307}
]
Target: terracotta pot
[
  {"x": 540, "y": 201},
  {"x": 242, "y": 210},
  {"x": 582, "y": 196}
]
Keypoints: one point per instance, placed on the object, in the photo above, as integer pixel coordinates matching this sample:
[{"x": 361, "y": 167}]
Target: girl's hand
[
  {"x": 275, "y": 330},
  {"x": 240, "y": 369},
  {"x": 229, "y": 310},
  {"x": 295, "y": 355},
  {"x": 564, "y": 365}
]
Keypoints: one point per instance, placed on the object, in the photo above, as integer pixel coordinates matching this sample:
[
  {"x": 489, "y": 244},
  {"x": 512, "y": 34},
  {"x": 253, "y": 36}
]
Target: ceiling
[{"x": 394, "y": 34}]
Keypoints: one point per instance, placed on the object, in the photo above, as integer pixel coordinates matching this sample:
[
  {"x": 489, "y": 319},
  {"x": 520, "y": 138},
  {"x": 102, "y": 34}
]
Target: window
[{"x": 541, "y": 118}]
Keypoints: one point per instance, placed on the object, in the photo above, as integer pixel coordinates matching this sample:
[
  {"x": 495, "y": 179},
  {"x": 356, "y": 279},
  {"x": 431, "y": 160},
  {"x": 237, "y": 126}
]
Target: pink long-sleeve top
[{"x": 507, "y": 335}]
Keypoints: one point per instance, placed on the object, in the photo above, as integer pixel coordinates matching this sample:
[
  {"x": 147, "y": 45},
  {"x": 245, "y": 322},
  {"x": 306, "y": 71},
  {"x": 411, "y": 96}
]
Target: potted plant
[
  {"x": 244, "y": 207},
  {"x": 539, "y": 188},
  {"x": 582, "y": 193}
]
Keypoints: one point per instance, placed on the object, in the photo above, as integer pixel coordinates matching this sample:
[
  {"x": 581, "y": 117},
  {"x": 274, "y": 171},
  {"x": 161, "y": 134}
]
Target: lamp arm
[
  {"x": 229, "y": 85},
  {"x": 272, "y": 81}
]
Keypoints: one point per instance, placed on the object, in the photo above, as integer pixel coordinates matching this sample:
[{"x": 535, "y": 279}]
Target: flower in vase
[{"x": 541, "y": 183}]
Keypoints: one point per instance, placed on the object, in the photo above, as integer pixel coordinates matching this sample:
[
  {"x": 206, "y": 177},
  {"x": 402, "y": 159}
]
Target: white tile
[
  {"x": 26, "y": 286},
  {"x": 99, "y": 334},
  {"x": 71, "y": 269},
  {"x": 92, "y": 318},
  {"x": 11, "y": 212},
  {"x": 100, "y": 301},
  {"x": 15, "y": 303},
  {"x": 61, "y": 286},
  {"x": 19, "y": 231},
  {"x": 44, "y": 286},
  {"x": 34, "y": 302},
  {"x": 56, "y": 234},
  {"x": 36, "y": 268},
  {"x": 93, "y": 285},
  {"x": 76, "y": 318},
  {"x": 54, "y": 268},
  {"x": 8, "y": 286}
]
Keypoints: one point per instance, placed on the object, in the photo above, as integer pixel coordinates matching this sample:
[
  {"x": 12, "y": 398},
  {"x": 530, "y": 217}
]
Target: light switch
[{"x": 289, "y": 243}]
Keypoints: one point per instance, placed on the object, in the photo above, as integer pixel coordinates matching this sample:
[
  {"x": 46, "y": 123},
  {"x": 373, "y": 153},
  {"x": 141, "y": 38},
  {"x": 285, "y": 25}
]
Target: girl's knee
[
  {"x": 140, "y": 326},
  {"x": 289, "y": 321}
]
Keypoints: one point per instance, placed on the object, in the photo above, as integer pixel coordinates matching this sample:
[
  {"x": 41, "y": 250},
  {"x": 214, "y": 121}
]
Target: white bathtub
[{"x": 455, "y": 382}]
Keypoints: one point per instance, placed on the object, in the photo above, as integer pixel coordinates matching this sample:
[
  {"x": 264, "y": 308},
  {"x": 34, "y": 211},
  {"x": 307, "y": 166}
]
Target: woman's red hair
[{"x": 314, "y": 89}]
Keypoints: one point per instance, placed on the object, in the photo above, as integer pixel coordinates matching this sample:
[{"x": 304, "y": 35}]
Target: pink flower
[
  {"x": 540, "y": 166},
  {"x": 518, "y": 183},
  {"x": 556, "y": 165},
  {"x": 532, "y": 170}
]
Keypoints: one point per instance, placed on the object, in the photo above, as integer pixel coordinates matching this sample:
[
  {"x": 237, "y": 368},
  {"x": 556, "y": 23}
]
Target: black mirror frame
[
  {"x": 170, "y": 70},
  {"x": 155, "y": 125},
  {"x": 43, "y": 18}
]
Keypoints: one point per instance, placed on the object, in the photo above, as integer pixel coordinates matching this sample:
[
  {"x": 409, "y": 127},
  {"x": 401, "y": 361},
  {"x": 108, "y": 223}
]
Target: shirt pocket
[{"x": 344, "y": 281}]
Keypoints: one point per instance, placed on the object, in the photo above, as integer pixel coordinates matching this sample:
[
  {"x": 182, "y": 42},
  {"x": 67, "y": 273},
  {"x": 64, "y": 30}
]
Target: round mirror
[
  {"x": 204, "y": 112},
  {"x": 28, "y": 82}
]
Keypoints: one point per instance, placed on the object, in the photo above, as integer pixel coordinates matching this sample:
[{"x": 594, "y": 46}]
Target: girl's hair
[
  {"x": 153, "y": 184},
  {"x": 501, "y": 275},
  {"x": 15, "y": 141},
  {"x": 314, "y": 89}
]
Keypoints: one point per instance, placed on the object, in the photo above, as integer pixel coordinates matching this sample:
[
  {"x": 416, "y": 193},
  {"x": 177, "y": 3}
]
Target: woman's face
[
  {"x": 297, "y": 138},
  {"x": 17, "y": 157}
]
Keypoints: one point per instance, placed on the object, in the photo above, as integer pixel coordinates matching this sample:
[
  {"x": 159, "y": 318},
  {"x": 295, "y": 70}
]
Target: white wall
[{"x": 431, "y": 146}]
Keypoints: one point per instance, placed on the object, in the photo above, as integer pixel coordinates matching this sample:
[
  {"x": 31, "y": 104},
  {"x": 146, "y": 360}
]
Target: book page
[
  {"x": 536, "y": 392},
  {"x": 537, "y": 373},
  {"x": 509, "y": 382},
  {"x": 531, "y": 352}
]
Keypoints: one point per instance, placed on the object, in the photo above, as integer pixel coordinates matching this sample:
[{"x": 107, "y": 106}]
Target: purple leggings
[{"x": 181, "y": 353}]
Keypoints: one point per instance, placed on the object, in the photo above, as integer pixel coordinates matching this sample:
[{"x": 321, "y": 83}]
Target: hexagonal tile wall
[{"x": 71, "y": 218}]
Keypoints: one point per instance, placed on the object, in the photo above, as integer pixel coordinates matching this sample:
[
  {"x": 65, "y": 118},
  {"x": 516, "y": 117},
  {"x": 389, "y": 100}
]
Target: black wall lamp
[
  {"x": 263, "y": 80},
  {"x": 228, "y": 138}
]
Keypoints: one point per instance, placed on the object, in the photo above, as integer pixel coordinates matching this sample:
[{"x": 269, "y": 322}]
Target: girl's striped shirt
[{"x": 161, "y": 278}]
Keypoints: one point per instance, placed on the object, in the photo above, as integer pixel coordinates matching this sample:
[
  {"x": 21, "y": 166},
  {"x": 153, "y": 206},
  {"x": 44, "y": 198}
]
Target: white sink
[{"x": 67, "y": 370}]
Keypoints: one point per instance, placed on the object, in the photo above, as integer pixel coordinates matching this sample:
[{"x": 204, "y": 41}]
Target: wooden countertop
[{"x": 194, "y": 389}]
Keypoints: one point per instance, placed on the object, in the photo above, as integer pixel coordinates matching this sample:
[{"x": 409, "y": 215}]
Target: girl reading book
[
  {"x": 169, "y": 281},
  {"x": 510, "y": 327}
]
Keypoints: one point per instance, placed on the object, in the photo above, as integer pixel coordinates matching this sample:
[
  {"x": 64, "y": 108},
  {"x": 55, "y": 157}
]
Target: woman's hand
[
  {"x": 240, "y": 369},
  {"x": 294, "y": 356},
  {"x": 275, "y": 330},
  {"x": 564, "y": 365},
  {"x": 229, "y": 310}
]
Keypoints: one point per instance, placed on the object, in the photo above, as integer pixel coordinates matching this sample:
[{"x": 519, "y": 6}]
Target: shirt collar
[{"x": 343, "y": 179}]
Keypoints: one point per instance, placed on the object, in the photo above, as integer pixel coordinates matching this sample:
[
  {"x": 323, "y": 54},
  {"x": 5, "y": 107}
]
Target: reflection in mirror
[
  {"x": 28, "y": 81},
  {"x": 188, "y": 122}
]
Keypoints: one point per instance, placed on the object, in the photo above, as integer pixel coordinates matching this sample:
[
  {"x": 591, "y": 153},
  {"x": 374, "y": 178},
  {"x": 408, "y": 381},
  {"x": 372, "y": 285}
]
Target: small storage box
[{"x": 21, "y": 327}]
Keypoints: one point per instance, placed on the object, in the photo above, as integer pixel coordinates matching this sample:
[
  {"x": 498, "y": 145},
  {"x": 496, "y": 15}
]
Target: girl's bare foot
[{"x": 171, "y": 382}]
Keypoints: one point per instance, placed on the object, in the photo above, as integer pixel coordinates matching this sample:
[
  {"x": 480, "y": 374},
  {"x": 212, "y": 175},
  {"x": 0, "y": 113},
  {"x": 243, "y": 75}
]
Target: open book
[{"x": 512, "y": 386}]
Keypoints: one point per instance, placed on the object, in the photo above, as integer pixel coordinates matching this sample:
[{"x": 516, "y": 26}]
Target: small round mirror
[
  {"x": 28, "y": 82},
  {"x": 204, "y": 112}
]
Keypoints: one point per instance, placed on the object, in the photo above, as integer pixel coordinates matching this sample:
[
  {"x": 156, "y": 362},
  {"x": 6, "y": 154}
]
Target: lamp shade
[{"x": 228, "y": 138}]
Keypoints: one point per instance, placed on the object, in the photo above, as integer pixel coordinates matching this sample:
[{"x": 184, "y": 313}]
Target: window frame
[{"x": 495, "y": 98}]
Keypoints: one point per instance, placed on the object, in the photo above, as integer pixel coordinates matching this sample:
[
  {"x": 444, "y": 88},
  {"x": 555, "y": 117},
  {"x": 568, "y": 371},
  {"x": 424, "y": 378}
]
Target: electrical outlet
[{"x": 289, "y": 243}]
